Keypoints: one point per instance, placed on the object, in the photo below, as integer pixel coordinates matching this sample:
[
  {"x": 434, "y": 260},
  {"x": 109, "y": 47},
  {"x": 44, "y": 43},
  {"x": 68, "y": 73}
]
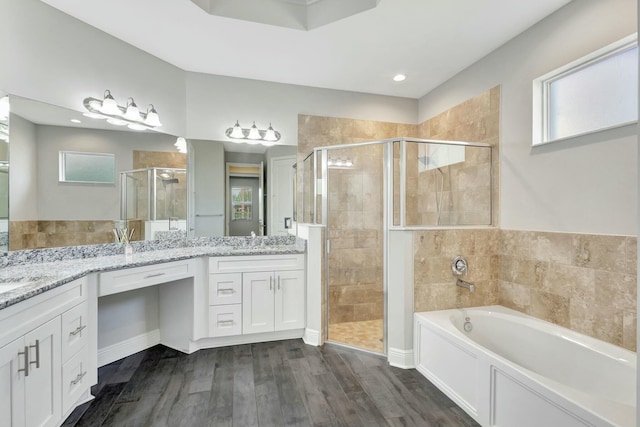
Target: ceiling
[{"x": 427, "y": 40}]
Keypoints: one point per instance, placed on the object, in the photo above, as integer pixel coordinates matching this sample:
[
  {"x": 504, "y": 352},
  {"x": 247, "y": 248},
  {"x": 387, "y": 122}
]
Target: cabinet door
[
  {"x": 289, "y": 301},
  {"x": 257, "y": 302},
  {"x": 43, "y": 387},
  {"x": 12, "y": 384}
]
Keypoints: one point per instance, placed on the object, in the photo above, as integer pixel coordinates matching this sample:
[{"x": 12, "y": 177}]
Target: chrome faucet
[{"x": 466, "y": 285}]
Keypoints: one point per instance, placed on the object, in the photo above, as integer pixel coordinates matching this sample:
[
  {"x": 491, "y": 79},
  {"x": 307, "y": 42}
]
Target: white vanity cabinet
[
  {"x": 256, "y": 294},
  {"x": 34, "y": 354},
  {"x": 272, "y": 301}
]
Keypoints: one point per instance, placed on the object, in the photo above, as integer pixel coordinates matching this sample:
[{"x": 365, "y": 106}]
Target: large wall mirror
[{"x": 155, "y": 187}]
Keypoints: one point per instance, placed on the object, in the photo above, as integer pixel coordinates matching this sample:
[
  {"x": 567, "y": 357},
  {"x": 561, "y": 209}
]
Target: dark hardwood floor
[{"x": 283, "y": 383}]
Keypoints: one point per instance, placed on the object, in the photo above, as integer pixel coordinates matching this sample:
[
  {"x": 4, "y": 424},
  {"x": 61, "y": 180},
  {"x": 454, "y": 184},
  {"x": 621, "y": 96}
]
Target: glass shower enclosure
[
  {"x": 154, "y": 200},
  {"x": 362, "y": 191}
]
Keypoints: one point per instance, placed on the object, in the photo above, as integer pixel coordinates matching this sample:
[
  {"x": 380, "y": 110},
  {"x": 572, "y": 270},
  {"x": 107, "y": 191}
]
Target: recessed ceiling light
[
  {"x": 399, "y": 77},
  {"x": 75, "y": 121}
]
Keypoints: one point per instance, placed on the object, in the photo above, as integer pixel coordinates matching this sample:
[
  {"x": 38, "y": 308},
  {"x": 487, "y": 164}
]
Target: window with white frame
[{"x": 596, "y": 92}]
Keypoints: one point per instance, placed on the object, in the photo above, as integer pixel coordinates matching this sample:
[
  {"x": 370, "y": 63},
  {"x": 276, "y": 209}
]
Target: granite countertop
[{"x": 29, "y": 273}]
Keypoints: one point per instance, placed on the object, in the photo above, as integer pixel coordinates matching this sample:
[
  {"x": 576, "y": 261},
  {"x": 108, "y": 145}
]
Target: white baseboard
[
  {"x": 401, "y": 358},
  {"x": 244, "y": 339},
  {"x": 312, "y": 337},
  {"x": 128, "y": 347}
]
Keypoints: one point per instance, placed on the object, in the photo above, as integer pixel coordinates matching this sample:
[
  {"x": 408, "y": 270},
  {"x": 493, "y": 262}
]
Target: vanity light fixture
[
  {"x": 253, "y": 135},
  {"x": 340, "y": 163},
  {"x": 129, "y": 116},
  {"x": 181, "y": 145}
]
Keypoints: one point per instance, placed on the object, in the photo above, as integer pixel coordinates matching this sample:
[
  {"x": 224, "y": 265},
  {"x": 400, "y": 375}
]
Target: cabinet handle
[
  {"x": 78, "y": 330},
  {"x": 278, "y": 282},
  {"x": 25, "y": 354},
  {"x": 79, "y": 378},
  {"x": 225, "y": 322},
  {"x": 270, "y": 283},
  {"x": 226, "y": 291},
  {"x": 149, "y": 276},
  {"x": 37, "y": 347}
]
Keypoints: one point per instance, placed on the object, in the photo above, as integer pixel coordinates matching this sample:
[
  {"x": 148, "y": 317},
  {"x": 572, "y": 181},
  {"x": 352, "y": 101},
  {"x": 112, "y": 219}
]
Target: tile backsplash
[{"x": 583, "y": 282}]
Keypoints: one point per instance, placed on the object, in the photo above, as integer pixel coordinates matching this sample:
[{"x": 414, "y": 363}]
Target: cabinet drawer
[
  {"x": 225, "y": 320},
  {"x": 113, "y": 282},
  {"x": 75, "y": 331},
  {"x": 75, "y": 378},
  {"x": 225, "y": 289},
  {"x": 256, "y": 263}
]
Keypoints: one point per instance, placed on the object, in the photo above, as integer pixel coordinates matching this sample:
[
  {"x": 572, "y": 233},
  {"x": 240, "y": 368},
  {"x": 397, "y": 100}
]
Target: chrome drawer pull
[
  {"x": 24, "y": 353},
  {"x": 225, "y": 322},
  {"x": 78, "y": 330},
  {"x": 149, "y": 276},
  {"x": 78, "y": 378},
  {"x": 37, "y": 347},
  {"x": 226, "y": 290}
]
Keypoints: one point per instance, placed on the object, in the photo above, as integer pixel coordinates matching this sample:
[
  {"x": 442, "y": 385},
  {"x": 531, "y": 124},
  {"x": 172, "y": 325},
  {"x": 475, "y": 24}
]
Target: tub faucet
[{"x": 467, "y": 285}]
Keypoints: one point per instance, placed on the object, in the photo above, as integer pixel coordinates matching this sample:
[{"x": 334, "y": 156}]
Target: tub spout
[{"x": 467, "y": 285}]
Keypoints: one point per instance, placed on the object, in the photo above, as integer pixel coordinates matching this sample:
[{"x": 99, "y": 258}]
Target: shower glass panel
[
  {"x": 446, "y": 184},
  {"x": 356, "y": 258},
  {"x": 154, "y": 199}
]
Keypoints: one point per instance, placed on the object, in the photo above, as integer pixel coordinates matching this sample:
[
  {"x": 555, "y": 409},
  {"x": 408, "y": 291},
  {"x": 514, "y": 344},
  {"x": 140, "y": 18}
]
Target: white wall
[
  {"x": 586, "y": 184},
  {"x": 74, "y": 201},
  {"x": 54, "y": 58},
  {"x": 214, "y": 103}
]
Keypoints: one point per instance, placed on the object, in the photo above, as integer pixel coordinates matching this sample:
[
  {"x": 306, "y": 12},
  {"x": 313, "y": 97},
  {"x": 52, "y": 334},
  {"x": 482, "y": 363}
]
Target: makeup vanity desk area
[{"x": 62, "y": 319}]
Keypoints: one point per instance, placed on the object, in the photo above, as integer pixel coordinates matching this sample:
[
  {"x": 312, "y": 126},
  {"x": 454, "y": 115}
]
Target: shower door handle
[{"x": 328, "y": 246}]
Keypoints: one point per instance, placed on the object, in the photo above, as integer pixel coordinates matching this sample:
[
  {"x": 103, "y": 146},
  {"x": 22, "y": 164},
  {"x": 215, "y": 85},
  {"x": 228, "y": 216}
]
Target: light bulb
[
  {"x": 181, "y": 145},
  {"x": 236, "y": 131},
  {"x": 270, "y": 134},
  {"x": 109, "y": 105},
  {"x": 152, "y": 119},
  {"x": 132, "y": 111},
  {"x": 254, "y": 133}
]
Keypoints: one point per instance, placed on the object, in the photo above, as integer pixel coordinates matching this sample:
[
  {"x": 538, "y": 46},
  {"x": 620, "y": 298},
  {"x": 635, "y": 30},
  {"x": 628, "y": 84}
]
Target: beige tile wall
[
  {"x": 434, "y": 283},
  {"x": 49, "y": 234},
  {"x": 466, "y": 197},
  {"x": 580, "y": 281}
]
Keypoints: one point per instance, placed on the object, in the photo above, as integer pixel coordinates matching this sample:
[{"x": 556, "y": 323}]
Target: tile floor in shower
[{"x": 367, "y": 334}]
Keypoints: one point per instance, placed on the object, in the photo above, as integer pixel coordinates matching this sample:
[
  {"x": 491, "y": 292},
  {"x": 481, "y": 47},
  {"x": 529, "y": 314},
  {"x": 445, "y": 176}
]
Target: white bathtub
[{"x": 513, "y": 370}]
